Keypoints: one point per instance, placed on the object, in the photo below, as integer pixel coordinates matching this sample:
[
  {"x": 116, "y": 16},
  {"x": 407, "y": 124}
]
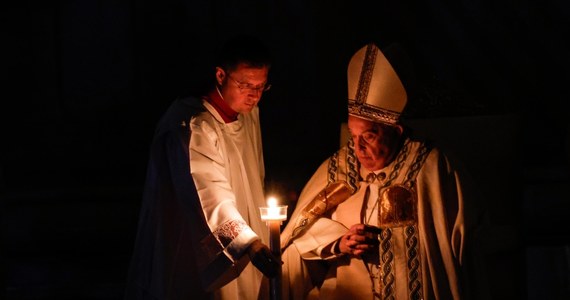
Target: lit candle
[
  {"x": 273, "y": 212},
  {"x": 273, "y": 215}
]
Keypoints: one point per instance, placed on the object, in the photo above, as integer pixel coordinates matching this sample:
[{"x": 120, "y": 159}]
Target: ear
[
  {"x": 400, "y": 129},
  {"x": 220, "y": 75}
]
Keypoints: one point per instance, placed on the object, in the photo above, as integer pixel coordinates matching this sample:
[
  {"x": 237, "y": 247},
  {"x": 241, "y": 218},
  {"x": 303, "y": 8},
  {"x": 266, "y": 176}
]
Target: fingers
[
  {"x": 264, "y": 260},
  {"x": 350, "y": 244},
  {"x": 357, "y": 250},
  {"x": 364, "y": 229},
  {"x": 270, "y": 265},
  {"x": 359, "y": 239},
  {"x": 357, "y": 228}
]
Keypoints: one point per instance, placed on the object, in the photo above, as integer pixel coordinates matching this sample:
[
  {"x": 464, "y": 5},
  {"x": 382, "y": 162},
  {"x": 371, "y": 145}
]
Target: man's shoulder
[
  {"x": 415, "y": 144},
  {"x": 179, "y": 113},
  {"x": 186, "y": 107}
]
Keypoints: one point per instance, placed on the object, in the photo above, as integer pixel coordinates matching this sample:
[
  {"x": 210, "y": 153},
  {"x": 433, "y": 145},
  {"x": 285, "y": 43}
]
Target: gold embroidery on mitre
[
  {"x": 359, "y": 106},
  {"x": 372, "y": 113},
  {"x": 366, "y": 74}
]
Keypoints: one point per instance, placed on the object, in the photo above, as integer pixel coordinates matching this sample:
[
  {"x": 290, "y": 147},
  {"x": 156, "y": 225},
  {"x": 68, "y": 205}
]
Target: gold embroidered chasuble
[{"x": 416, "y": 200}]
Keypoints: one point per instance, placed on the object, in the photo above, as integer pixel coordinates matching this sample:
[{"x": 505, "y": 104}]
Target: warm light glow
[
  {"x": 272, "y": 202},
  {"x": 273, "y": 212}
]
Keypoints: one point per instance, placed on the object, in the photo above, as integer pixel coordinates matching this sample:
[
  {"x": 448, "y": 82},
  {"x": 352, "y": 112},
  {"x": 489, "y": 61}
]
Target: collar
[
  {"x": 400, "y": 156},
  {"x": 215, "y": 98},
  {"x": 370, "y": 177}
]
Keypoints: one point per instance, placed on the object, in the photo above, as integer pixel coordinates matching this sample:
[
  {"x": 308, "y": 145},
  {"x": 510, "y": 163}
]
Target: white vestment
[{"x": 226, "y": 160}]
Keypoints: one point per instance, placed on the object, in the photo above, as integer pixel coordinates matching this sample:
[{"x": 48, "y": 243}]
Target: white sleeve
[{"x": 208, "y": 168}]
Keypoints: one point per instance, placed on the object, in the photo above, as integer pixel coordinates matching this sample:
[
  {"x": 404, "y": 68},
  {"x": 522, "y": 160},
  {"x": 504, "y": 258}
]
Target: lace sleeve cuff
[{"x": 235, "y": 236}]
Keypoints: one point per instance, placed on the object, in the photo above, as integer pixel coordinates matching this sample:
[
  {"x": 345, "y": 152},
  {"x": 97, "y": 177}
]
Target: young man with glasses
[{"x": 199, "y": 225}]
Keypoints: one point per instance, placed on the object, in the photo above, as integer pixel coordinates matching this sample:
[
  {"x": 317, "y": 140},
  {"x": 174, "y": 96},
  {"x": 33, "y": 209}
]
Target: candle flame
[
  {"x": 273, "y": 211},
  {"x": 272, "y": 202}
]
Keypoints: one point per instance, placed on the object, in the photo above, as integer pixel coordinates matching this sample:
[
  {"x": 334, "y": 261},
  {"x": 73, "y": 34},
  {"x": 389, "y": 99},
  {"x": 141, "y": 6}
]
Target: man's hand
[
  {"x": 359, "y": 239},
  {"x": 262, "y": 258}
]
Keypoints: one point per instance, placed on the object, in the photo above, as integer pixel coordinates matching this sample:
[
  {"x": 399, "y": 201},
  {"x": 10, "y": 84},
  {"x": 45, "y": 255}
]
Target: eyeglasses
[
  {"x": 243, "y": 87},
  {"x": 368, "y": 137}
]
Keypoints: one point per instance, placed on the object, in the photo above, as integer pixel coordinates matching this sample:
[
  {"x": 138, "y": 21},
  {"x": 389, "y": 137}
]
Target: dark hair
[{"x": 243, "y": 49}]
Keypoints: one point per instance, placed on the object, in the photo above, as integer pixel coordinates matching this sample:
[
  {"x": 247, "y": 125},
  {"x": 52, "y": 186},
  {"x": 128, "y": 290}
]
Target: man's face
[
  {"x": 373, "y": 144},
  {"x": 242, "y": 87}
]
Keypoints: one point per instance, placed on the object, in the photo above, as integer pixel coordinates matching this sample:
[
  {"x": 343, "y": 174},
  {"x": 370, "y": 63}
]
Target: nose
[{"x": 255, "y": 93}]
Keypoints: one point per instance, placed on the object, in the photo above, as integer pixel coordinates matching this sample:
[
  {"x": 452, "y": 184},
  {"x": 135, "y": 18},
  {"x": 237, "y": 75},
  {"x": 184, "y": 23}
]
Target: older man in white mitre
[{"x": 403, "y": 232}]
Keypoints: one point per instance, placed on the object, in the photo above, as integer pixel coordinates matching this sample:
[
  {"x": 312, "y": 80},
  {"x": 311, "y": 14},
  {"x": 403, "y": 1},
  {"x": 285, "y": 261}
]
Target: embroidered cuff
[{"x": 235, "y": 236}]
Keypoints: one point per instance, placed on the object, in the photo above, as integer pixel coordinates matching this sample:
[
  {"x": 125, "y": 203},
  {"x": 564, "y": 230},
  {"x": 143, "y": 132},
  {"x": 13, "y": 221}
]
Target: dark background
[{"x": 86, "y": 82}]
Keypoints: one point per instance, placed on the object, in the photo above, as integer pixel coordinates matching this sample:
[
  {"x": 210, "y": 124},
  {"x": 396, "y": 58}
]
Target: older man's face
[{"x": 374, "y": 144}]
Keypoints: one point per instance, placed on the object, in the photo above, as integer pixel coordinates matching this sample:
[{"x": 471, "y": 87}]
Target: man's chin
[
  {"x": 369, "y": 164},
  {"x": 247, "y": 109}
]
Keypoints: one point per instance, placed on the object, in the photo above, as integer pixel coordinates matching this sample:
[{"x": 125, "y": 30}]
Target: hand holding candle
[
  {"x": 263, "y": 259},
  {"x": 273, "y": 215}
]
